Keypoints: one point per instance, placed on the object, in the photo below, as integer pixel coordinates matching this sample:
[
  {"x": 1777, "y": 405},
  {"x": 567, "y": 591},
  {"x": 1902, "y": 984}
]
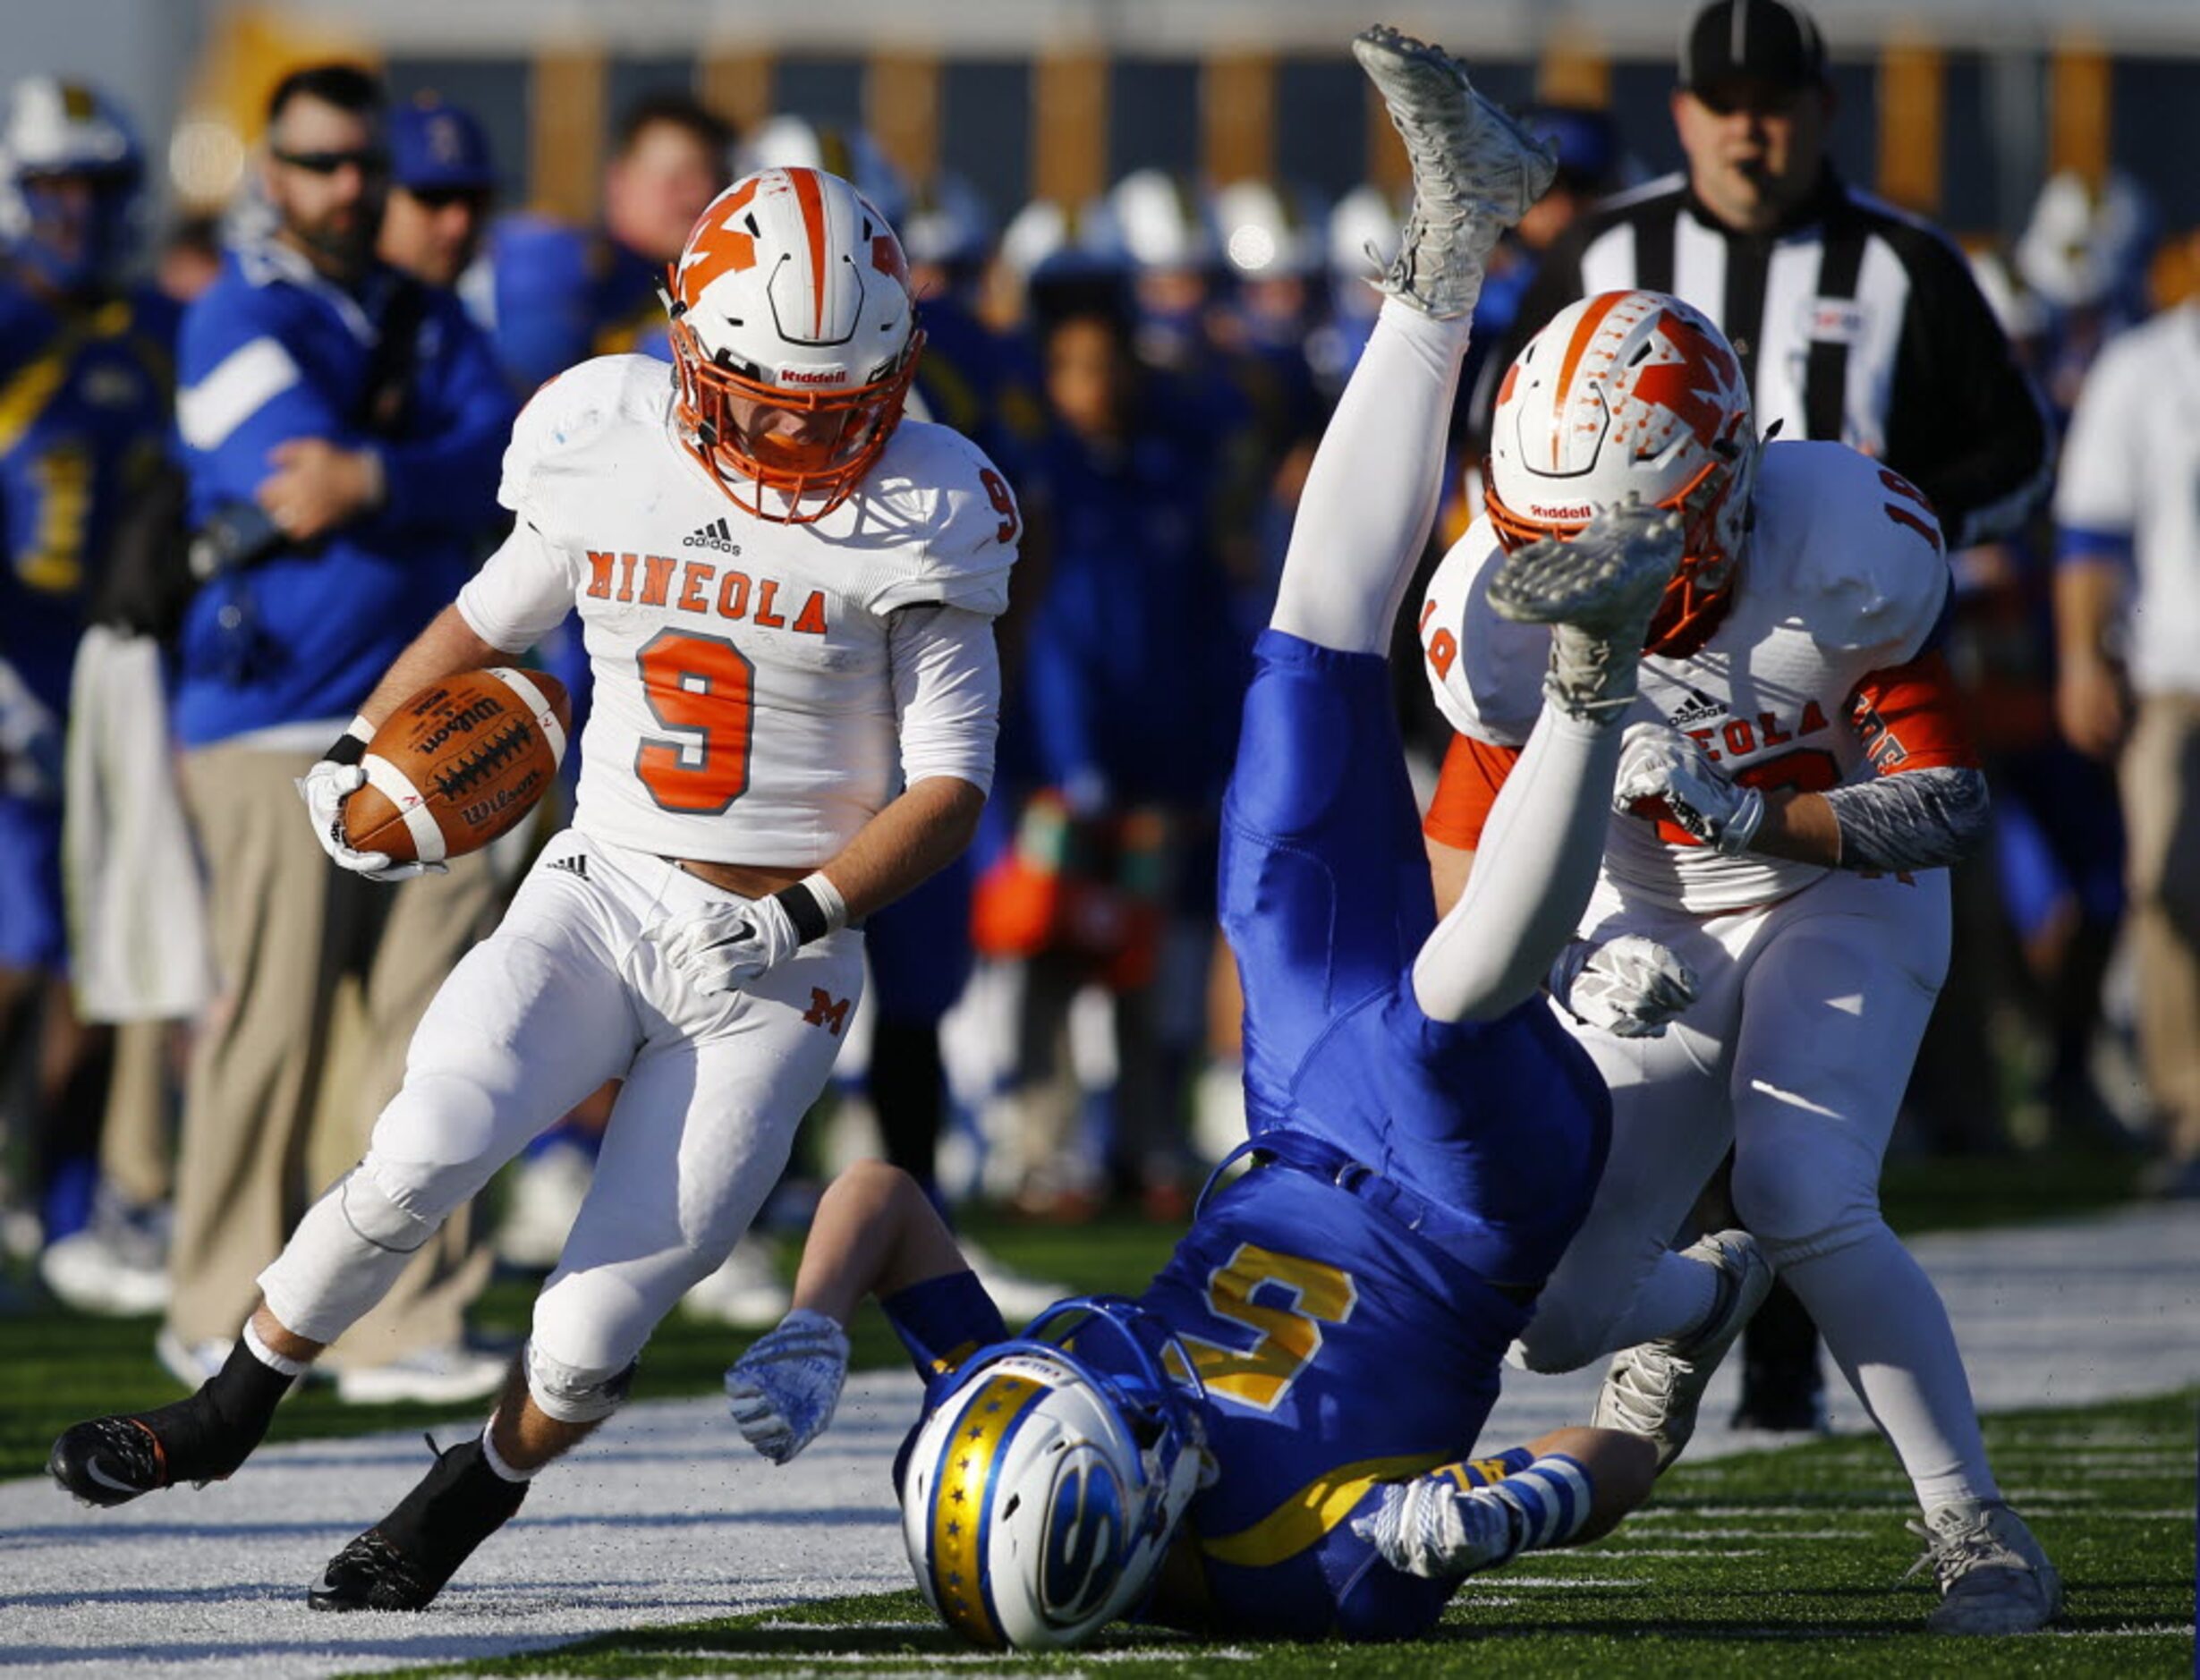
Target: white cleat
[
  {"x": 1655, "y": 1388},
  {"x": 1994, "y": 1578},
  {"x": 1475, "y": 170},
  {"x": 1606, "y": 579},
  {"x": 1598, "y": 589}
]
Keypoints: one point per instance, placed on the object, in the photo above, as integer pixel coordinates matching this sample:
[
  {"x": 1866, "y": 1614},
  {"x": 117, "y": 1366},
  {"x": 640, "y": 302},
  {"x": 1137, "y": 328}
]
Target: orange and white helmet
[
  {"x": 1630, "y": 394},
  {"x": 793, "y": 338}
]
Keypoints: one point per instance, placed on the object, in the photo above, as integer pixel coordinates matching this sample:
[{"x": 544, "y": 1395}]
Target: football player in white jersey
[
  {"x": 1795, "y": 782},
  {"x": 786, "y": 596}
]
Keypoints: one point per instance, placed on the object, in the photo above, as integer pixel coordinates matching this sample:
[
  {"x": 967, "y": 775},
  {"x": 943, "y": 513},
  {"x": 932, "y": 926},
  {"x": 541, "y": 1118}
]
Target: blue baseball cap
[{"x": 434, "y": 146}]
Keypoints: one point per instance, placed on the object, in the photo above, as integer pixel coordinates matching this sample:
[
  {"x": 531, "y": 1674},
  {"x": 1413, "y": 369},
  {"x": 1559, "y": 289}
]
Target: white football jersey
[
  {"x": 1843, "y": 575},
  {"x": 2131, "y": 469},
  {"x": 744, "y": 706}
]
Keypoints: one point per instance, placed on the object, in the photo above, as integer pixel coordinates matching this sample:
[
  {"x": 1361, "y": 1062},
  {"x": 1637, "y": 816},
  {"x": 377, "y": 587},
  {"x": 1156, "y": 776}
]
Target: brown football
[{"x": 459, "y": 764}]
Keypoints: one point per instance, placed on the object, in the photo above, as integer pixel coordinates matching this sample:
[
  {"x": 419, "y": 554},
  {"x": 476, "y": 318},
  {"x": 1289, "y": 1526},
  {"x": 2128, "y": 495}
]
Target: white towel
[{"x": 138, "y": 940}]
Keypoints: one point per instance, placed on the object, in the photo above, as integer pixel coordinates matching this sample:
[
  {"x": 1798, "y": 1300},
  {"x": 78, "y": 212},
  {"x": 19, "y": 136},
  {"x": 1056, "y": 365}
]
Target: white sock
[
  {"x": 496, "y": 1459},
  {"x": 1372, "y": 494},
  {"x": 267, "y": 1356},
  {"x": 1885, "y": 1326},
  {"x": 1551, "y": 1498}
]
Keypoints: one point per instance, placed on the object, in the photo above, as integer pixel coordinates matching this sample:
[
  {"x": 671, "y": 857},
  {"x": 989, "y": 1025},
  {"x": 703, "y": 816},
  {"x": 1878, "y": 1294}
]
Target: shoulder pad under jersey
[
  {"x": 574, "y": 409},
  {"x": 1485, "y": 672},
  {"x": 956, "y": 518},
  {"x": 1855, "y": 546}
]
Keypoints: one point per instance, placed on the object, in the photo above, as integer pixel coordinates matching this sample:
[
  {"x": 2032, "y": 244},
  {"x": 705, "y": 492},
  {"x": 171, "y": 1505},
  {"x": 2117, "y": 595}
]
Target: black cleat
[
  {"x": 198, "y": 1439},
  {"x": 108, "y": 1461},
  {"x": 373, "y": 1574},
  {"x": 403, "y": 1561}
]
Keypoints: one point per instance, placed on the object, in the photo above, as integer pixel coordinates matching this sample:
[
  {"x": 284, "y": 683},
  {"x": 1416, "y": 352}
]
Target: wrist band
[
  {"x": 351, "y": 744},
  {"x": 814, "y": 905}
]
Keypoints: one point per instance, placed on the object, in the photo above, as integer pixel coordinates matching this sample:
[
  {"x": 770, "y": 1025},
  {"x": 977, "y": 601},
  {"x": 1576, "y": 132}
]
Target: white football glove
[
  {"x": 783, "y": 1391},
  {"x": 1659, "y": 763},
  {"x": 324, "y": 788},
  {"x": 1631, "y": 987},
  {"x": 1435, "y": 1529},
  {"x": 728, "y": 946}
]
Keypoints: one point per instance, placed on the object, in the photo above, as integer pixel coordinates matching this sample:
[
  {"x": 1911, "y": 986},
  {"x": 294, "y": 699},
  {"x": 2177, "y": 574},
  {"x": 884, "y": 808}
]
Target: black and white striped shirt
[{"x": 1853, "y": 321}]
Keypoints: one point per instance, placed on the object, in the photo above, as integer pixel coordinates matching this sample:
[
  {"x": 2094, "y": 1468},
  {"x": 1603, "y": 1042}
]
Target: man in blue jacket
[{"x": 341, "y": 425}]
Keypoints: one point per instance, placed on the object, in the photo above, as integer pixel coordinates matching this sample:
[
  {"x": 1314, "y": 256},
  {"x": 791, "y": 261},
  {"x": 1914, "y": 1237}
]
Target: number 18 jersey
[
  {"x": 1841, "y": 586},
  {"x": 747, "y": 704}
]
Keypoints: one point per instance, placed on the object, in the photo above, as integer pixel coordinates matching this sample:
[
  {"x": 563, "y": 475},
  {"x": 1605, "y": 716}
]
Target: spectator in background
[
  {"x": 553, "y": 296},
  {"x": 1100, "y": 861},
  {"x": 441, "y": 184},
  {"x": 2127, "y": 623},
  {"x": 84, "y": 401},
  {"x": 342, "y": 427},
  {"x": 189, "y": 260},
  {"x": 1853, "y": 322}
]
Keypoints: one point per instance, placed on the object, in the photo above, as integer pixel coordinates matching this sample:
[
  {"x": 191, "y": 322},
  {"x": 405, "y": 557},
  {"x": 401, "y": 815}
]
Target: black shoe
[
  {"x": 108, "y": 1461},
  {"x": 372, "y": 1575},
  {"x": 403, "y": 1561},
  {"x": 198, "y": 1439}
]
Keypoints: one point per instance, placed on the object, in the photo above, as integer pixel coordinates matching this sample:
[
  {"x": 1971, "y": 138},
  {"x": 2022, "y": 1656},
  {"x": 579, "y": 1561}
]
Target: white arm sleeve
[
  {"x": 1533, "y": 872},
  {"x": 521, "y": 592},
  {"x": 947, "y": 692},
  {"x": 2098, "y": 484}
]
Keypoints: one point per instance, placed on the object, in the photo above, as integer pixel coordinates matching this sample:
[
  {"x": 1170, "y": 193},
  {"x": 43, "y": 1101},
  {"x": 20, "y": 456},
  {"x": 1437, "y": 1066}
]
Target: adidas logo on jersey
[
  {"x": 714, "y": 535},
  {"x": 576, "y": 864},
  {"x": 1700, "y": 707}
]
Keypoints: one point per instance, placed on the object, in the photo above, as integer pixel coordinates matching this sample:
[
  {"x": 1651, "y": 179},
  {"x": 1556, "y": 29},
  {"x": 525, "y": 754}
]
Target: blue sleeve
[
  {"x": 235, "y": 401},
  {"x": 1057, "y": 700},
  {"x": 545, "y": 314},
  {"x": 943, "y": 1320},
  {"x": 2080, "y": 542},
  {"x": 444, "y": 472}
]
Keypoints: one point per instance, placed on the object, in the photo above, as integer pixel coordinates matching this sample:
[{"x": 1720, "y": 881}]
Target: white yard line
[{"x": 660, "y": 1520}]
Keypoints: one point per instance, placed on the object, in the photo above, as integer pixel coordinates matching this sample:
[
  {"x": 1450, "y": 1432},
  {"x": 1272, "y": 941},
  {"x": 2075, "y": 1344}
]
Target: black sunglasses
[
  {"x": 443, "y": 198},
  {"x": 368, "y": 161}
]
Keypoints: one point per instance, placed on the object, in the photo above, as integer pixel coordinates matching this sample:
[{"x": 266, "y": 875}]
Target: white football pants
[
  {"x": 564, "y": 994},
  {"x": 1795, "y": 1054}
]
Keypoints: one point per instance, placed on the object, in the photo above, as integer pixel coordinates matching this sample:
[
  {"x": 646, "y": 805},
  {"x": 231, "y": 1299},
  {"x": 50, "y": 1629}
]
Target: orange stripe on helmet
[
  {"x": 1584, "y": 335},
  {"x": 809, "y": 194}
]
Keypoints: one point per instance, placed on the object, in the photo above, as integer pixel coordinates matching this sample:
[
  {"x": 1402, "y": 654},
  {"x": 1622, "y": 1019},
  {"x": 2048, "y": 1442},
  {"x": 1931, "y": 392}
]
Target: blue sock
[{"x": 1549, "y": 1498}]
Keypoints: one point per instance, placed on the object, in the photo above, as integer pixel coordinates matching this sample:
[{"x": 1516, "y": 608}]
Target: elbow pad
[{"x": 1913, "y": 820}]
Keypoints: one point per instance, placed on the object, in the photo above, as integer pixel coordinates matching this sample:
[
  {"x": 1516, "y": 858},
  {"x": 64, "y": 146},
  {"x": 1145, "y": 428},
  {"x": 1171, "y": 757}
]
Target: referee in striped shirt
[{"x": 1853, "y": 320}]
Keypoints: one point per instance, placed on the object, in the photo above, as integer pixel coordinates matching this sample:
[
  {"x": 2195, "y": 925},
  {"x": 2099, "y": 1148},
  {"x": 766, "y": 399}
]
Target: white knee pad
[
  {"x": 573, "y": 1395},
  {"x": 342, "y": 1257}
]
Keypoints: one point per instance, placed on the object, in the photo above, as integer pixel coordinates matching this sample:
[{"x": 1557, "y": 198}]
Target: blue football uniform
[
  {"x": 1347, "y": 1303},
  {"x": 85, "y": 396}
]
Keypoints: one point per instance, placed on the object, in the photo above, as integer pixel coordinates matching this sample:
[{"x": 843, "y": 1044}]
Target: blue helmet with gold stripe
[{"x": 1051, "y": 1475}]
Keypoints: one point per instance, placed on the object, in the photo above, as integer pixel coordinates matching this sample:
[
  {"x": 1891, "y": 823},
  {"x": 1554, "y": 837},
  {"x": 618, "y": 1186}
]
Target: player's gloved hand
[
  {"x": 783, "y": 1391},
  {"x": 1433, "y": 1528},
  {"x": 324, "y": 788},
  {"x": 1667, "y": 771},
  {"x": 1631, "y": 987},
  {"x": 728, "y": 946}
]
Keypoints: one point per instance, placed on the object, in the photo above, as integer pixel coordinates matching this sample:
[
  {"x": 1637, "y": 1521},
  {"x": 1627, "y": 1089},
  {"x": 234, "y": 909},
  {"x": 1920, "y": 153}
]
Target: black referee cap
[{"x": 1767, "y": 40}]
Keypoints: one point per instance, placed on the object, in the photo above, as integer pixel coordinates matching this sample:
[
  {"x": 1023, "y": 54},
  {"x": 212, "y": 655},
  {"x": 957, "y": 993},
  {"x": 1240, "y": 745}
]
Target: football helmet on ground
[
  {"x": 794, "y": 339},
  {"x": 1630, "y": 394},
  {"x": 1050, "y": 1476}
]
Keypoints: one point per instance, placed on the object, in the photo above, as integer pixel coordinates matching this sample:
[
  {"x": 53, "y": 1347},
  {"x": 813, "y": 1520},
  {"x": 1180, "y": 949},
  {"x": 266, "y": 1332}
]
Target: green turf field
[
  {"x": 1786, "y": 1563},
  {"x": 57, "y": 1367}
]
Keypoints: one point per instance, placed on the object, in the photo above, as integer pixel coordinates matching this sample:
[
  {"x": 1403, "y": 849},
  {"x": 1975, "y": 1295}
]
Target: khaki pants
[
  {"x": 2160, "y": 781},
  {"x": 323, "y": 978}
]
